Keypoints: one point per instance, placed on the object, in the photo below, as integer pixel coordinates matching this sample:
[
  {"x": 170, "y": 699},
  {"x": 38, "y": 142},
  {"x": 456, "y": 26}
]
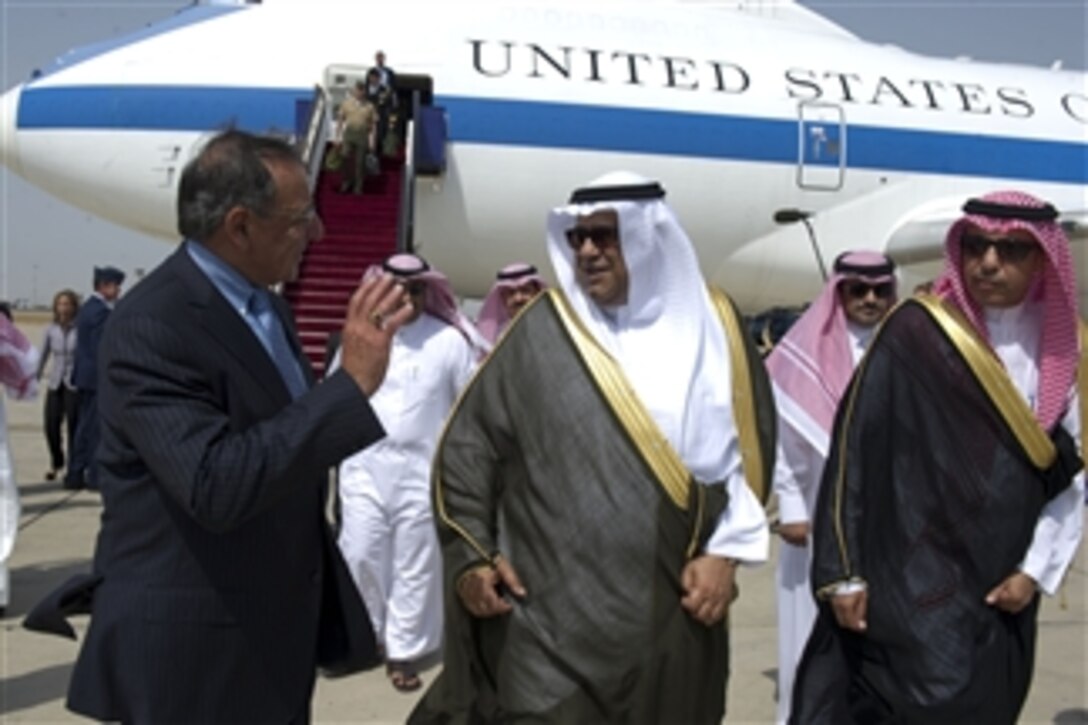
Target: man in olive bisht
[
  {"x": 951, "y": 496},
  {"x": 599, "y": 483}
]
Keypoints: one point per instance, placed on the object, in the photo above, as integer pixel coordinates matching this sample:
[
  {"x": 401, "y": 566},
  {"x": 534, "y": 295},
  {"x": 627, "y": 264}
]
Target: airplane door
[
  {"x": 339, "y": 79},
  {"x": 821, "y": 161}
]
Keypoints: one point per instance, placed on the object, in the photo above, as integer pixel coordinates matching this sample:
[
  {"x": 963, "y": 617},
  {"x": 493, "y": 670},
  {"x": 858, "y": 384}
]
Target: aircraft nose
[{"x": 9, "y": 109}]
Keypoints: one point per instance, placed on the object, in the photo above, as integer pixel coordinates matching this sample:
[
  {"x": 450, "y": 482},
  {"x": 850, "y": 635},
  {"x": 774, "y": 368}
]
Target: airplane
[{"x": 765, "y": 122}]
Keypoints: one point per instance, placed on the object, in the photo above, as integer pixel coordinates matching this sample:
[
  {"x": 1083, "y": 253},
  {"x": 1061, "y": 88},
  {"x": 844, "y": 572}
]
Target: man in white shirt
[
  {"x": 810, "y": 368},
  {"x": 952, "y": 492},
  {"x": 387, "y": 534}
]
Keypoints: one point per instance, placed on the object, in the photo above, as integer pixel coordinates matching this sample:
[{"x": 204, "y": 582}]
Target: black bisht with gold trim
[{"x": 935, "y": 481}]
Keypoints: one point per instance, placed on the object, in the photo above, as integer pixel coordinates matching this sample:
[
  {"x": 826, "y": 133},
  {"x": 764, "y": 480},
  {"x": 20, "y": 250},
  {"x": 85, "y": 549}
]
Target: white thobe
[
  {"x": 741, "y": 531},
  {"x": 1014, "y": 337},
  {"x": 388, "y": 534},
  {"x": 799, "y": 465}
]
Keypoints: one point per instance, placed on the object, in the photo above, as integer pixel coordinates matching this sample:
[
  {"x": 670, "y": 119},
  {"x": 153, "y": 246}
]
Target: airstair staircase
[{"x": 360, "y": 230}]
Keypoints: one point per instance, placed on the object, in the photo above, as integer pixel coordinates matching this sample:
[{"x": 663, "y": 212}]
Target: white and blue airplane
[{"x": 744, "y": 110}]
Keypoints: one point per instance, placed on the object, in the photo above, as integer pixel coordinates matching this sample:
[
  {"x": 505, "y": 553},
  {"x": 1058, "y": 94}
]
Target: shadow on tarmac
[
  {"x": 35, "y": 688},
  {"x": 30, "y": 584}
]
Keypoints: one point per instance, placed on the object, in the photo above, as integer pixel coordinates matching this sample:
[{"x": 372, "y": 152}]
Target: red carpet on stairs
[{"x": 359, "y": 231}]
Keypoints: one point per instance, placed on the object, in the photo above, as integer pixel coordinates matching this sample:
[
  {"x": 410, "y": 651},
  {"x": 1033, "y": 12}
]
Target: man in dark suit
[
  {"x": 381, "y": 91},
  {"x": 386, "y": 76},
  {"x": 90, "y": 323},
  {"x": 214, "y": 561}
]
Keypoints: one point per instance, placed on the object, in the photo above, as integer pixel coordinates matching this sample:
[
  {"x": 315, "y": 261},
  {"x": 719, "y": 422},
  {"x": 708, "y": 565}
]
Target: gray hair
[{"x": 230, "y": 171}]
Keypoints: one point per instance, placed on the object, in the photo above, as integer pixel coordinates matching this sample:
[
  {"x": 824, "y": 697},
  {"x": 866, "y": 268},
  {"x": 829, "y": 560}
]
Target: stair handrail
[
  {"x": 312, "y": 145},
  {"x": 406, "y": 213}
]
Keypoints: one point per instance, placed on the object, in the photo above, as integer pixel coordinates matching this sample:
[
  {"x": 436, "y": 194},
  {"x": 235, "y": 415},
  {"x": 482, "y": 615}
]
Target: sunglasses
[
  {"x": 600, "y": 236},
  {"x": 415, "y": 288},
  {"x": 861, "y": 290},
  {"x": 1008, "y": 250}
]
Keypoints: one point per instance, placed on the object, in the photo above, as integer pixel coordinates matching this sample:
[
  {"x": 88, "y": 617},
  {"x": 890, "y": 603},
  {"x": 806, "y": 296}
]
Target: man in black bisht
[
  {"x": 947, "y": 503},
  {"x": 594, "y": 486}
]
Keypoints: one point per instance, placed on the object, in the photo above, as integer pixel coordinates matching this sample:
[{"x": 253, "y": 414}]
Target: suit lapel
[{"x": 227, "y": 327}]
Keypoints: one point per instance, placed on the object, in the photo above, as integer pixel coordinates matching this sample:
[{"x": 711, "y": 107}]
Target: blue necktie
[{"x": 274, "y": 340}]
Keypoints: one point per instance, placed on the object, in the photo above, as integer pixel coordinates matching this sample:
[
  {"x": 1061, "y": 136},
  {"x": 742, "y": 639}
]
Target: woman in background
[{"x": 62, "y": 400}]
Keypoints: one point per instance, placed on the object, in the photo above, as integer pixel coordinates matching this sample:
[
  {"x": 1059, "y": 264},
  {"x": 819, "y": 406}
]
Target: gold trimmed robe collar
[{"x": 647, "y": 437}]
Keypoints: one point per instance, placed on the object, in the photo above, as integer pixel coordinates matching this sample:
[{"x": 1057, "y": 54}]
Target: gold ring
[{"x": 377, "y": 318}]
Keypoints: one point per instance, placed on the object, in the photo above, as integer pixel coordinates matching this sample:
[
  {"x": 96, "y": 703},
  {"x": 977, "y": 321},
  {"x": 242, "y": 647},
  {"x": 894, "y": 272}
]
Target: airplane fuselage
[{"x": 737, "y": 115}]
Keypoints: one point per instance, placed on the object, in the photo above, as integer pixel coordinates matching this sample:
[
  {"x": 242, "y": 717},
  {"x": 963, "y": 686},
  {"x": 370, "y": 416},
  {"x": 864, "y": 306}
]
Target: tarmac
[{"x": 57, "y": 535}]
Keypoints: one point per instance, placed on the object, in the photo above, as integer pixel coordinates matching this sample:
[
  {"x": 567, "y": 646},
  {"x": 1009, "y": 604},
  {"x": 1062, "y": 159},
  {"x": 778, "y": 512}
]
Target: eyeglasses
[
  {"x": 861, "y": 290},
  {"x": 415, "y": 288},
  {"x": 1008, "y": 250},
  {"x": 600, "y": 236}
]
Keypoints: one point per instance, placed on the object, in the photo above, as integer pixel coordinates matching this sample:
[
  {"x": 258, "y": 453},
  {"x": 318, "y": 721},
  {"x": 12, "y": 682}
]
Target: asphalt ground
[{"x": 56, "y": 539}]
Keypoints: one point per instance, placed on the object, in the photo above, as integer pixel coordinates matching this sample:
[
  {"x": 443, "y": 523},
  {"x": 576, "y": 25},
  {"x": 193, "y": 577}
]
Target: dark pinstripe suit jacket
[{"x": 213, "y": 552}]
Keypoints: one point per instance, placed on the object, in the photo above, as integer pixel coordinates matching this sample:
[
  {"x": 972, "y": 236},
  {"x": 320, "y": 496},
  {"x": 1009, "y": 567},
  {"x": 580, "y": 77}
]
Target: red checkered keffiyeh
[
  {"x": 813, "y": 363},
  {"x": 493, "y": 316},
  {"x": 438, "y": 301},
  {"x": 1056, "y": 290}
]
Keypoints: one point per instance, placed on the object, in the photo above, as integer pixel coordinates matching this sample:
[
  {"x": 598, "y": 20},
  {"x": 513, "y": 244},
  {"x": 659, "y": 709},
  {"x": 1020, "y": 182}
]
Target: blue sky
[{"x": 46, "y": 244}]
